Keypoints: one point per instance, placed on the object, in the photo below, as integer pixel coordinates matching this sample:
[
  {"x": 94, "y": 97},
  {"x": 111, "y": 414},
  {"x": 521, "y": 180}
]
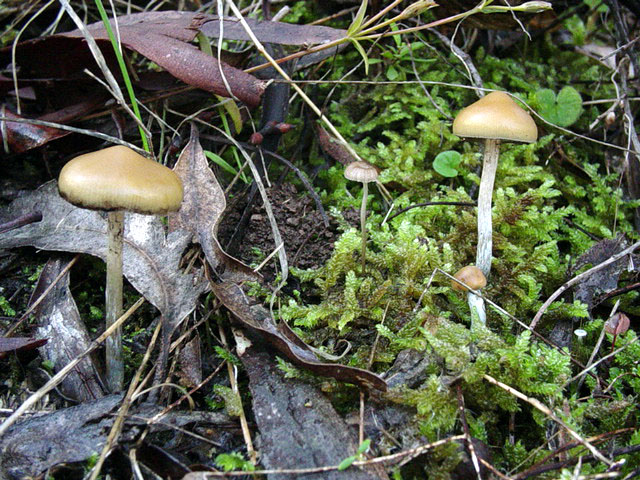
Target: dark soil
[{"x": 307, "y": 242}]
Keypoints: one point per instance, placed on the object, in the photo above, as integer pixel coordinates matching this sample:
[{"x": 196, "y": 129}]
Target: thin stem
[
  {"x": 113, "y": 298},
  {"x": 476, "y": 304},
  {"x": 363, "y": 222},
  {"x": 485, "y": 231}
]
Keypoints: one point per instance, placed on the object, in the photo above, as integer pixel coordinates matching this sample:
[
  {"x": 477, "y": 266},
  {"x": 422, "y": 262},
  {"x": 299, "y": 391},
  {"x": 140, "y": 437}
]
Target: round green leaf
[
  {"x": 562, "y": 110},
  {"x": 445, "y": 163}
]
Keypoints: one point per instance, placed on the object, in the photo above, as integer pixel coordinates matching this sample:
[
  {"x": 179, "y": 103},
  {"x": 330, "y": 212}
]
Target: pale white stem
[
  {"x": 485, "y": 231},
  {"x": 363, "y": 222},
  {"x": 476, "y": 304},
  {"x": 113, "y": 300}
]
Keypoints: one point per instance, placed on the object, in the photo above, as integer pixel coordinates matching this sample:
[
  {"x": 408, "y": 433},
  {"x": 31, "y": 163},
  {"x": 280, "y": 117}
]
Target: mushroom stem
[
  {"x": 476, "y": 304},
  {"x": 363, "y": 222},
  {"x": 485, "y": 230},
  {"x": 113, "y": 300},
  {"x": 489, "y": 167}
]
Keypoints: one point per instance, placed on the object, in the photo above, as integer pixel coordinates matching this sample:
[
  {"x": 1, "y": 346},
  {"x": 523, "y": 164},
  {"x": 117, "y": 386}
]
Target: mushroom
[
  {"x": 494, "y": 117},
  {"x": 471, "y": 276},
  {"x": 365, "y": 173},
  {"x": 117, "y": 179}
]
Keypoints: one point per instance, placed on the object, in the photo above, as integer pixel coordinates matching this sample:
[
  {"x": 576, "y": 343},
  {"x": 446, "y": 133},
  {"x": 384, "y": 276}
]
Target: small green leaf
[
  {"x": 445, "y": 163},
  {"x": 363, "y": 54},
  {"x": 218, "y": 160},
  {"x": 346, "y": 463},
  {"x": 563, "y": 110},
  {"x": 364, "y": 446},
  {"x": 357, "y": 22},
  {"x": 392, "y": 73}
]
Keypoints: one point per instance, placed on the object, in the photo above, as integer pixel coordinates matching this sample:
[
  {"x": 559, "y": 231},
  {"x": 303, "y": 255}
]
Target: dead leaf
[
  {"x": 164, "y": 38},
  {"x": 59, "y": 320},
  {"x": 604, "y": 280},
  {"x": 201, "y": 210},
  {"x": 151, "y": 259},
  {"x": 259, "y": 321},
  {"x": 21, "y": 136},
  {"x": 190, "y": 362},
  {"x": 298, "y": 425}
]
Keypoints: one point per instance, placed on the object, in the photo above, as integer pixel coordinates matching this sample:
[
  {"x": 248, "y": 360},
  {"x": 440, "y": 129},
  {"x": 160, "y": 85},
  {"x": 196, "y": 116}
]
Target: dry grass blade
[{"x": 124, "y": 408}]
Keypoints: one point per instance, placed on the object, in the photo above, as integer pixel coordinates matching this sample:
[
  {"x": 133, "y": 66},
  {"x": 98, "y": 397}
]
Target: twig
[
  {"x": 579, "y": 278},
  {"x": 82, "y": 131},
  {"x": 118, "y": 423},
  {"x": 44, "y": 294},
  {"x": 544, "y": 409},
  {"x": 467, "y": 435},
  {"x": 429, "y": 204},
  {"x": 21, "y": 221},
  {"x": 246, "y": 433},
  {"x": 391, "y": 459}
]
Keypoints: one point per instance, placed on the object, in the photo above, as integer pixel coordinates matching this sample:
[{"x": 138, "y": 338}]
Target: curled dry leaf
[
  {"x": 201, "y": 210},
  {"x": 618, "y": 324},
  {"x": 258, "y": 321},
  {"x": 164, "y": 38},
  {"x": 21, "y": 136}
]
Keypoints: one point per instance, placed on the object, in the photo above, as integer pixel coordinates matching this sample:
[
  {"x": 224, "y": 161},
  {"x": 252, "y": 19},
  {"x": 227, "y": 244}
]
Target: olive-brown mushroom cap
[
  {"x": 469, "y": 275},
  {"x": 117, "y": 178},
  {"x": 496, "y": 116},
  {"x": 361, "y": 172}
]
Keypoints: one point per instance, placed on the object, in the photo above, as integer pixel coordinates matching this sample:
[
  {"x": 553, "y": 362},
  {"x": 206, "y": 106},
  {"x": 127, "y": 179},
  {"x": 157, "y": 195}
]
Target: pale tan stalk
[{"x": 113, "y": 299}]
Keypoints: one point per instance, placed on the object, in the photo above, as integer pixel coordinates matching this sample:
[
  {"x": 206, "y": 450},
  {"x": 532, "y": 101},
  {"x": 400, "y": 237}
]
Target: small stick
[
  {"x": 21, "y": 221},
  {"x": 579, "y": 278},
  {"x": 534, "y": 402}
]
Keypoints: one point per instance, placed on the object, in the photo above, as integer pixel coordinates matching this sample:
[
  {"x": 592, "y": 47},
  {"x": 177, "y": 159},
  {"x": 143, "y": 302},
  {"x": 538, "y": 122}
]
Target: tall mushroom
[
  {"x": 365, "y": 173},
  {"x": 494, "y": 117},
  {"x": 117, "y": 179}
]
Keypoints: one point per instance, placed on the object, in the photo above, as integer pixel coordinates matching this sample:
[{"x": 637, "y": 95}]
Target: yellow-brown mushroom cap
[
  {"x": 496, "y": 116},
  {"x": 469, "y": 275},
  {"x": 117, "y": 178}
]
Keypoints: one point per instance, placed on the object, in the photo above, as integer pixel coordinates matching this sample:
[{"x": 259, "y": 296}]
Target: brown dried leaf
[
  {"x": 617, "y": 324},
  {"x": 23, "y": 136},
  {"x": 201, "y": 210},
  {"x": 191, "y": 362},
  {"x": 258, "y": 321},
  {"x": 333, "y": 147},
  {"x": 183, "y": 60}
]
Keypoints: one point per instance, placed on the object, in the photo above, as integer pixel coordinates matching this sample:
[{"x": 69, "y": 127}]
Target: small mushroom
[
  {"x": 494, "y": 117},
  {"x": 471, "y": 276},
  {"x": 117, "y": 179},
  {"x": 364, "y": 173}
]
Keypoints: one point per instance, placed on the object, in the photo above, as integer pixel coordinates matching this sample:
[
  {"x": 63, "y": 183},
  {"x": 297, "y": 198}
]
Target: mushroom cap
[
  {"x": 117, "y": 178},
  {"x": 469, "y": 275},
  {"x": 496, "y": 116},
  {"x": 361, "y": 172}
]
